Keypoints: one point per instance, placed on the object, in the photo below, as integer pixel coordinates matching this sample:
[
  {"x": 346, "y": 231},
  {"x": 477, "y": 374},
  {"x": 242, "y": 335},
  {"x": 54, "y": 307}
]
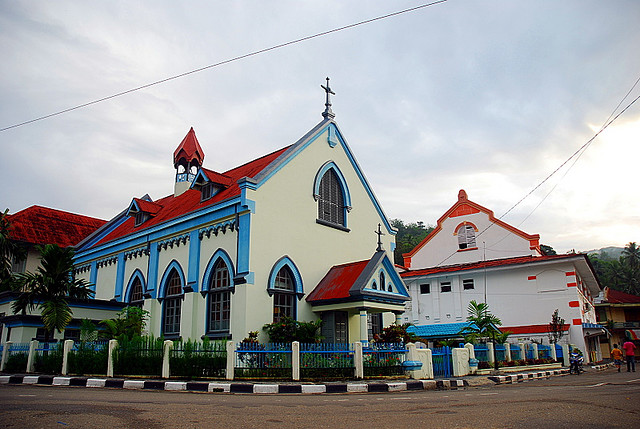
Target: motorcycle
[{"x": 575, "y": 363}]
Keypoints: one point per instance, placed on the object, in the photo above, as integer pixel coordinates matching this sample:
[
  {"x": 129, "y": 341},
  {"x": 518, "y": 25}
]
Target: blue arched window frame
[
  {"x": 137, "y": 274},
  {"x": 298, "y": 290},
  {"x": 219, "y": 255},
  {"x": 171, "y": 305}
]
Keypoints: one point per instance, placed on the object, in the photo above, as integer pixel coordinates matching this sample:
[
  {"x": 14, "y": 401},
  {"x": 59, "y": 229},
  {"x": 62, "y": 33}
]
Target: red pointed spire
[{"x": 189, "y": 150}]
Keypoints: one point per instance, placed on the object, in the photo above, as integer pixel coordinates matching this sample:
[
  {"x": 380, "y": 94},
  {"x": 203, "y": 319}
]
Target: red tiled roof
[
  {"x": 189, "y": 201},
  {"x": 218, "y": 178},
  {"x": 337, "y": 282},
  {"x": 484, "y": 264},
  {"x": 148, "y": 206},
  {"x": 613, "y": 296},
  {"x": 42, "y": 225},
  {"x": 189, "y": 149},
  {"x": 530, "y": 329}
]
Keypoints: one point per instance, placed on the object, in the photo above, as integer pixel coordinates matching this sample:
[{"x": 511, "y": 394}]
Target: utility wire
[{"x": 241, "y": 57}]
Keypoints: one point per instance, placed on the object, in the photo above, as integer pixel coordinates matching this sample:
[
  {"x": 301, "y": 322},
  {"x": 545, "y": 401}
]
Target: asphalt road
[{"x": 605, "y": 399}]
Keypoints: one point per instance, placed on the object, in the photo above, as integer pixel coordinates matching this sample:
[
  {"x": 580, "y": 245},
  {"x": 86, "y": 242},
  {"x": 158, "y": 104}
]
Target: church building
[{"x": 292, "y": 233}]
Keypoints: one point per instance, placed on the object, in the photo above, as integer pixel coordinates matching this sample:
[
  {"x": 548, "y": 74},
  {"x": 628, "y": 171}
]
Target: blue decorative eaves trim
[
  {"x": 216, "y": 228},
  {"x": 174, "y": 241},
  {"x": 107, "y": 261},
  {"x": 132, "y": 254}
]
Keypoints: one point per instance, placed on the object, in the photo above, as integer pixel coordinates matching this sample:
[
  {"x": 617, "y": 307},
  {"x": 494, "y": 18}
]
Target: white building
[{"x": 472, "y": 255}]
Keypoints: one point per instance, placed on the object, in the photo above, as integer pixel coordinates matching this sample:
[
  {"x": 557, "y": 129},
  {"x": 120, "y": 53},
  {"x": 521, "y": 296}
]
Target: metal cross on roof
[
  {"x": 380, "y": 234},
  {"x": 328, "y": 113}
]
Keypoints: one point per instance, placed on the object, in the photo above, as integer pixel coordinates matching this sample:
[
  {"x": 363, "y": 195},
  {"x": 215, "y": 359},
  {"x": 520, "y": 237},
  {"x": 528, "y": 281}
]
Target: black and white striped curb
[
  {"x": 217, "y": 387},
  {"x": 519, "y": 378}
]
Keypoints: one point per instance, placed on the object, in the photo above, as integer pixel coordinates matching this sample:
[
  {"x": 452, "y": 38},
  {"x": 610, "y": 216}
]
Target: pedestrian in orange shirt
[{"x": 616, "y": 355}]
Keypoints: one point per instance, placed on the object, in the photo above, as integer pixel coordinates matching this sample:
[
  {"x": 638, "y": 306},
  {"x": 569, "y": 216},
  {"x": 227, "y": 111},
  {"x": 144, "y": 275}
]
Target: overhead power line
[{"x": 240, "y": 57}]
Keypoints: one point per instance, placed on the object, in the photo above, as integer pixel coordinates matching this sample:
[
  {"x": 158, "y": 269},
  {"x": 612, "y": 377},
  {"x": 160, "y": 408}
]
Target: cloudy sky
[{"x": 487, "y": 96}]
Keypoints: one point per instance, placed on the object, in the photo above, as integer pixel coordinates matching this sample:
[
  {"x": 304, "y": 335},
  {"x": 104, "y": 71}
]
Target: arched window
[
  {"x": 382, "y": 280},
  {"x": 331, "y": 207},
  {"x": 466, "y": 237},
  {"x": 135, "y": 295},
  {"x": 172, "y": 305},
  {"x": 284, "y": 295},
  {"x": 219, "y": 298}
]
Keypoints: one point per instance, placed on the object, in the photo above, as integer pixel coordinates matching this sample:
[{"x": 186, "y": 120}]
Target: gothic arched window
[
  {"x": 219, "y": 298},
  {"x": 172, "y": 305},
  {"x": 331, "y": 207}
]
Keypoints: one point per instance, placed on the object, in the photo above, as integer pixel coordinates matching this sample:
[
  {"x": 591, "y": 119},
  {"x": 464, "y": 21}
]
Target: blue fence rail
[
  {"x": 326, "y": 360},
  {"x": 482, "y": 352},
  {"x": 382, "y": 359},
  {"x": 268, "y": 360},
  {"x": 516, "y": 352}
]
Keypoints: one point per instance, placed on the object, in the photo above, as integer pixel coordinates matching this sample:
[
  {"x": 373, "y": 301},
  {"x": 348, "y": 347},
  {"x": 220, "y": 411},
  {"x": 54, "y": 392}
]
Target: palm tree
[
  {"x": 9, "y": 250},
  {"x": 631, "y": 256},
  {"x": 483, "y": 325},
  {"x": 50, "y": 288}
]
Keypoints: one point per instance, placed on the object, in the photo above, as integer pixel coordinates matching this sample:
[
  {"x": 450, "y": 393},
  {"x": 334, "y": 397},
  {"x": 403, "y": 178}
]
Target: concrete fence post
[
  {"x": 295, "y": 360},
  {"x": 68, "y": 345},
  {"x": 32, "y": 355},
  {"x": 5, "y": 354},
  {"x": 231, "y": 354},
  {"x": 554, "y": 353},
  {"x": 534, "y": 347},
  {"x": 460, "y": 357},
  {"x": 507, "y": 352},
  {"x": 112, "y": 347},
  {"x": 426, "y": 357},
  {"x": 166, "y": 354},
  {"x": 472, "y": 350},
  {"x": 490, "y": 354},
  {"x": 358, "y": 360},
  {"x": 523, "y": 351},
  {"x": 565, "y": 354}
]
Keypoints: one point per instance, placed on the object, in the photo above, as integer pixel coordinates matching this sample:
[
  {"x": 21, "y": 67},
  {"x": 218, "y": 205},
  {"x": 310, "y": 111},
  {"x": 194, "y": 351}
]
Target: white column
[
  {"x": 112, "y": 346},
  {"x": 31, "y": 359},
  {"x": 5, "y": 354},
  {"x": 166, "y": 351},
  {"x": 565, "y": 354},
  {"x": 507, "y": 352},
  {"x": 295, "y": 360},
  {"x": 554, "y": 354},
  {"x": 364, "y": 328},
  {"x": 523, "y": 352},
  {"x": 358, "y": 361},
  {"x": 231, "y": 354},
  {"x": 68, "y": 345},
  {"x": 398, "y": 318},
  {"x": 534, "y": 347}
]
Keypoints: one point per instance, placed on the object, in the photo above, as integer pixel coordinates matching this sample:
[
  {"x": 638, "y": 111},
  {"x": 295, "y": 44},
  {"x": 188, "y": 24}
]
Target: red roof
[
  {"x": 218, "y": 178},
  {"x": 484, "y": 264},
  {"x": 337, "y": 282},
  {"x": 148, "y": 206},
  {"x": 530, "y": 329},
  {"x": 189, "y": 201},
  {"x": 42, "y": 225},
  {"x": 613, "y": 296},
  {"x": 189, "y": 149}
]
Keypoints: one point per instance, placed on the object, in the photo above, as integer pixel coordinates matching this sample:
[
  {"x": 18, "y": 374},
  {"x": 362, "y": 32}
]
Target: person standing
[
  {"x": 630, "y": 353},
  {"x": 616, "y": 355}
]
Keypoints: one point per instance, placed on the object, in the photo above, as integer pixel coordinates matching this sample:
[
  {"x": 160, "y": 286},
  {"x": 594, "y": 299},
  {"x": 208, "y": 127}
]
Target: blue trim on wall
[
  {"x": 137, "y": 273},
  {"x": 152, "y": 272},
  {"x": 165, "y": 277},
  {"x": 297, "y": 278},
  {"x": 218, "y": 254},
  {"x": 194, "y": 260},
  {"x": 244, "y": 246},
  {"x": 93, "y": 275},
  {"x": 119, "y": 277},
  {"x": 398, "y": 285}
]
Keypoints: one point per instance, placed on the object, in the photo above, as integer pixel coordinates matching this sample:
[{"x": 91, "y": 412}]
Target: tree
[
  {"x": 547, "y": 250},
  {"x": 408, "y": 237},
  {"x": 129, "y": 322},
  {"x": 50, "y": 288},
  {"x": 622, "y": 273},
  {"x": 556, "y": 328},
  {"x": 483, "y": 325},
  {"x": 9, "y": 251}
]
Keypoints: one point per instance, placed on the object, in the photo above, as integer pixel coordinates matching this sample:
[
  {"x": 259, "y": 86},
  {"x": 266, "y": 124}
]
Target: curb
[
  {"x": 243, "y": 388},
  {"x": 520, "y": 378}
]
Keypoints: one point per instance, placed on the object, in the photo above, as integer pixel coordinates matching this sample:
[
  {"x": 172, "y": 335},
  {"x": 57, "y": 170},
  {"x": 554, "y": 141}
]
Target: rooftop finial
[{"x": 328, "y": 113}]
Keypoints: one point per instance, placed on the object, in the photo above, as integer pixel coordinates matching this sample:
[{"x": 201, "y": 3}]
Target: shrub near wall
[
  {"x": 48, "y": 358},
  {"x": 89, "y": 358},
  {"x": 193, "y": 359},
  {"x": 138, "y": 356}
]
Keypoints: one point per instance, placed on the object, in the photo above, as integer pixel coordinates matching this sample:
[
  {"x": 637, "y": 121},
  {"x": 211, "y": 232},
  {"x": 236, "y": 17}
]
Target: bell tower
[{"x": 187, "y": 159}]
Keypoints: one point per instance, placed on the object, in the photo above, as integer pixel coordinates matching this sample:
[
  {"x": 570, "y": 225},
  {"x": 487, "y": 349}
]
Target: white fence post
[
  {"x": 460, "y": 357},
  {"x": 166, "y": 351},
  {"x": 534, "y": 347},
  {"x": 230, "y": 360},
  {"x": 565, "y": 354},
  {"x": 426, "y": 357},
  {"x": 295, "y": 360},
  {"x": 523, "y": 352},
  {"x": 554, "y": 353},
  {"x": 5, "y": 354},
  {"x": 507, "y": 352},
  {"x": 112, "y": 346},
  {"x": 490, "y": 354},
  {"x": 358, "y": 360},
  {"x": 472, "y": 351},
  {"x": 31, "y": 359},
  {"x": 68, "y": 345}
]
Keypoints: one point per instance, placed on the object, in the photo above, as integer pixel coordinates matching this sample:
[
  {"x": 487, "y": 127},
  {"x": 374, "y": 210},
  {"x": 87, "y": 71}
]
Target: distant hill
[{"x": 611, "y": 252}]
